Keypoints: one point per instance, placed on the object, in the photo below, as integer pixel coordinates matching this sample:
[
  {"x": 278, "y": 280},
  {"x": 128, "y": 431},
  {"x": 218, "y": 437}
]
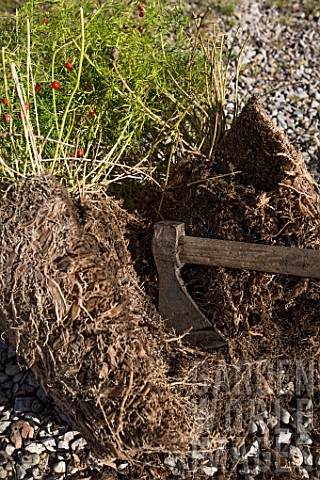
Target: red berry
[
  {"x": 22, "y": 115},
  {"x": 69, "y": 66},
  {"x": 37, "y": 88},
  {"x": 92, "y": 113},
  {"x": 7, "y": 117},
  {"x": 80, "y": 152},
  {"x": 141, "y": 14},
  {"x": 26, "y": 106},
  {"x": 45, "y": 21},
  {"x": 55, "y": 85},
  {"x": 140, "y": 7},
  {"x": 140, "y": 28},
  {"x": 5, "y": 101}
]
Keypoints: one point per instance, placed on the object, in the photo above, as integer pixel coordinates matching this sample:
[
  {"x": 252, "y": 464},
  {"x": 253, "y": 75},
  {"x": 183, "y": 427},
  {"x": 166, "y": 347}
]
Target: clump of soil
[
  {"x": 274, "y": 201},
  {"x": 71, "y": 303}
]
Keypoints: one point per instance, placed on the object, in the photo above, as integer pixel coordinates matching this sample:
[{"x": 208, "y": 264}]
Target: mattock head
[{"x": 175, "y": 304}]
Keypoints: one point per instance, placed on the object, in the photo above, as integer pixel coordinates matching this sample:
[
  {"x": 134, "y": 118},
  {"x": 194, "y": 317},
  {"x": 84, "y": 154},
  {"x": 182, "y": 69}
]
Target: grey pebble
[
  {"x": 11, "y": 352},
  {"x": 23, "y": 404},
  {"x": 41, "y": 394},
  {"x": 307, "y": 457},
  {"x": 21, "y": 471},
  {"x": 3, "y": 377},
  {"x": 18, "y": 377},
  {"x": 12, "y": 370},
  {"x": 32, "y": 380},
  {"x": 37, "y": 406},
  {"x": 303, "y": 439},
  {"x": 30, "y": 459}
]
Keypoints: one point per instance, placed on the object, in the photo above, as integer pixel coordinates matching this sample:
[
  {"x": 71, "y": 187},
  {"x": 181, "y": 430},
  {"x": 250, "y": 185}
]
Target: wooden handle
[{"x": 250, "y": 256}]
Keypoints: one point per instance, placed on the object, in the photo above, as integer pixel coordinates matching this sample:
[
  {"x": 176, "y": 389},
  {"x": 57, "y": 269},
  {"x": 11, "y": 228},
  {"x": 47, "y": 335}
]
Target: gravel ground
[{"x": 281, "y": 62}]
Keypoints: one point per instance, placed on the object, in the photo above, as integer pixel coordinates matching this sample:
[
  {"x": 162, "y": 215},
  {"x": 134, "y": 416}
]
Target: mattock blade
[{"x": 175, "y": 305}]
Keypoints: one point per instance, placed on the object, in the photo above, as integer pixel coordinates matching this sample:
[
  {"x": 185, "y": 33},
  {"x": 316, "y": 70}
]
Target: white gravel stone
[
  {"x": 60, "y": 467},
  {"x": 80, "y": 443},
  {"x": 68, "y": 436},
  {"x": 3, "y": 473},
  {"x": 4, "y": 425},
  {"x": 294, "y": 454},
  {"x": 285, "y": 416},
  {"x": 50, "y": 444},
  {"x": 285, "y": 436},
  {"x": 170, "y": 461},
  {"x": 35, "y": 448},
  {"x": 9, "y": 449},
  {"x": 209, "y": 471},
  {"x": 62, "y": 445}
]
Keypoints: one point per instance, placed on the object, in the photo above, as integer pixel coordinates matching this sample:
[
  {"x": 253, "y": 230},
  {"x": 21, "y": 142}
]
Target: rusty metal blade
[{"x": 175, "y": 304}]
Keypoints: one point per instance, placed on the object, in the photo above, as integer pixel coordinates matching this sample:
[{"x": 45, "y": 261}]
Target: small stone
[
  {"x": 4, "y": 425},
  {"x": 285, "y": 416},
  {"x": 50, "y": 444},
  {"x": 10, "y": 449},
  {"x": 70, "y": 435},
  {"x": 307, "y": 457},
  {"x": 30, "y": 459},
  {"x": 303, "y": 472},
  {"x": 11, "y": 352},
  {"x": 23, "y": 404},
  {"x": 253, "y": 428},
  {"x": 284, "y": 435},
  {"x": 36, "y": 473},
  {"x": 62, "y": 445},
  {"x": 7, "y": 386},
  {"x": 209, "y": 471},
  {"x": 17, "y": 378},
  {"x": 21, "y": 471},
  {"x": 123, "y": 466},
  {"x": 80, "y": 443},
  {"x": 3, "y": 400},
  {"x": 261, "y": 426},
  {"x": 253, "y": 450},
  {"x": 294, "y": 454},
  {"x": 3, "y": 473},
  {"x": 12, "y": 370},
  {"x": 170, "y": 461},
  {"x": 60, "y": 467},
  {"x": 32, "y": 380},
  {"x": 37, "y": 407},
  {"x": 3, "y": 377},
  {"x": 41, "y": 394},
  {"x": 35, "y": 448},
  {"x": 303, "y": 439}
]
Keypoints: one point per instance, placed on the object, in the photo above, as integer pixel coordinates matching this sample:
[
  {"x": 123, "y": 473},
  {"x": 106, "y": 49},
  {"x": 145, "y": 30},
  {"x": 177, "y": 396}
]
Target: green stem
[{"x": 76, "y": 87}]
